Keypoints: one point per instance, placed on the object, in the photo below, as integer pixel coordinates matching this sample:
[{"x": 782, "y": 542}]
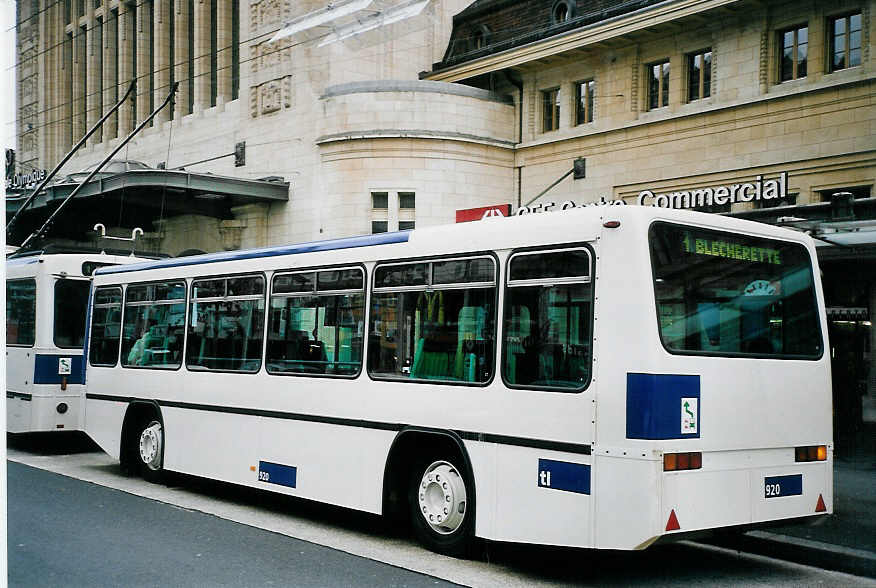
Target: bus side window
[
  {"x": 316, "y": 322},
  {"x": 225, "y": 325},
  {"x": 153, "y": 326},
  {"x": 434, "y": 320},
  {"x": 106, "y": 322},
  {"x": 548, "y": 308}
]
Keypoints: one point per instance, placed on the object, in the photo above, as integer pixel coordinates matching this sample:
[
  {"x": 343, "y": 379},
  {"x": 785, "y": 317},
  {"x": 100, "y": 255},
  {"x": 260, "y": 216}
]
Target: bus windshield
[{"x": 726, "y": 294}]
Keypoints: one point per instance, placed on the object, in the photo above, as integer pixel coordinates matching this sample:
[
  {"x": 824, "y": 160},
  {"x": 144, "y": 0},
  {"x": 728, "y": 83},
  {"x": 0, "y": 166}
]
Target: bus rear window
[
  {"x": 71, "y": 300},
  {"x": 733, "y": 295}
]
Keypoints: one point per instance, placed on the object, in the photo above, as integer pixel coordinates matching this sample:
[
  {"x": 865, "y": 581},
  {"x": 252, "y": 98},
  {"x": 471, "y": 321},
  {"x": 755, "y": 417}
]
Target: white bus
[
  {"x": 46, "y": 304},
  {"x": 600, "y": 377}
]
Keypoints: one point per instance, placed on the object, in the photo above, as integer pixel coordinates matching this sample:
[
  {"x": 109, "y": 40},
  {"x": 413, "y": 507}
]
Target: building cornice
[{"x": 588, "y": 35}]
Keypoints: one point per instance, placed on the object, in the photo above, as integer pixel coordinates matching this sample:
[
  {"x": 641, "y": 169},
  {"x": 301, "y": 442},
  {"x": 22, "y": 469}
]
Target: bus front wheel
[
  {"x": 439, "y": 500},
  {"x": 150, "y": 449}
]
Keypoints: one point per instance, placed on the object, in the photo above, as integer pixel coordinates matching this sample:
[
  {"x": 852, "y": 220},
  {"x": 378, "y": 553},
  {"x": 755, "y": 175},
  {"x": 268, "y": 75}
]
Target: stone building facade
[{"x": 473, "y": 104}]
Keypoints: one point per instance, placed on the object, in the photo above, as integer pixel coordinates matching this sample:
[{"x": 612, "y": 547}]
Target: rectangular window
[
  {"x": 225, "y": 329},
  {"x": 154, "y": 325},
  {"x": 699, "y": 75},
  {"x": 794, "y": 45},
  {"x": 658, "y": 84},
  {"x": 433, "y": 320},
  {"x": 171, "y": 53},
  {"x": 21, "y": 312},
  {"x": 71, "y": 302},
  {"x": 132, "y": 34},
  {"x": 98, "y": 51},
  {"x": 407, "y": 200},
  {"x": 548, "y": 318},
  {"x": 733, "y": 295},
  {"x": 113, "y": 41},
  {"x": 379, "y": 227},
  {"x": 190, "y": 59},
  {"x": 584, "y": 93},
  {"x": 550, "y": 100},
  {"x": 380, "y": 200},
  {"x": 406, "y": 225},
  {"x": 149, "y": 32},
  {"x": 106, "y": 322},
  {"x": 317, "y": 322},
  {"x": 845, "y": 41}
]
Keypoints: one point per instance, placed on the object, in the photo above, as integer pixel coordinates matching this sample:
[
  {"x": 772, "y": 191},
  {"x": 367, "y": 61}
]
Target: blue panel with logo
[
  {"x": 563, "y": 475},
  {"x": 275, "y": 473},
  {"x": 663, "y": 406},
  {"x": 45, "y": 369}
]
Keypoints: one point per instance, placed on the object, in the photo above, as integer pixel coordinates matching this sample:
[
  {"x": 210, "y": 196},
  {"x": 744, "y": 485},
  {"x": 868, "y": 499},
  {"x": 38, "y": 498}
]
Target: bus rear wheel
[
  {"x": 150, "y": 449},
  {"x": 439, "y": 505}
]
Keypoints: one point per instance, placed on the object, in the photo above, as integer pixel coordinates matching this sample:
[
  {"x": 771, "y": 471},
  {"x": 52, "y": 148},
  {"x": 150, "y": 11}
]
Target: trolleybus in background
[
  {"x": 46, "y": 306},
  {"x": 603, "y": 377}
]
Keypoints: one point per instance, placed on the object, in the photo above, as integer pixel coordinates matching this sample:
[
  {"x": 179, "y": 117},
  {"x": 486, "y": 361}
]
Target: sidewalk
[{"x": 844, "y": 541}]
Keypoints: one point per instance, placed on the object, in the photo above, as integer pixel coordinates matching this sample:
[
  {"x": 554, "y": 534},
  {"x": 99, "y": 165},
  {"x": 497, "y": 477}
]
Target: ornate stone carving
[{"x": 271, "y": 96}]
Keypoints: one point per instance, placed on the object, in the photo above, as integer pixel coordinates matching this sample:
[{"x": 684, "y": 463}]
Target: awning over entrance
[{"x": 137, "y": 198}]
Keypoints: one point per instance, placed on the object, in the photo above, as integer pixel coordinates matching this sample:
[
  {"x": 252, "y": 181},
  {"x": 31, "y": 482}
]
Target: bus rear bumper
[{"x": 710, "y": 499}]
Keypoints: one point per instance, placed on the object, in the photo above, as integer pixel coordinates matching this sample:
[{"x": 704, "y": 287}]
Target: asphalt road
[
  {"x": 65, "y": 532},
  {"x": 92, "y": 526}
]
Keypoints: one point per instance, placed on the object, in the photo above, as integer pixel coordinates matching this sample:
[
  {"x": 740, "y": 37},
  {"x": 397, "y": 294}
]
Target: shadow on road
[{"x": 52, "y": 443}]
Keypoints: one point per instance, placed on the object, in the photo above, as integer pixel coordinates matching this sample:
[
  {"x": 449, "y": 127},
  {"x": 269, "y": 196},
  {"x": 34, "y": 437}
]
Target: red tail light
[{"x": 673, "y": 462}]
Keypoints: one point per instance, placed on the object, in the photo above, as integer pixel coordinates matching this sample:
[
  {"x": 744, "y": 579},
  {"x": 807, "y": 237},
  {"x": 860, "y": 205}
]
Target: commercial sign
[
  {"x": 30, "y": 180},
  {"x": 482, "y": 212},
  {"x": 759, "y": 189}
]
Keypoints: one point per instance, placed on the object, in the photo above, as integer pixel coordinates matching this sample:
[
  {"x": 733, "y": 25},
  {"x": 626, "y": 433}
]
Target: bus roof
[{"x": 326, "y": 245}]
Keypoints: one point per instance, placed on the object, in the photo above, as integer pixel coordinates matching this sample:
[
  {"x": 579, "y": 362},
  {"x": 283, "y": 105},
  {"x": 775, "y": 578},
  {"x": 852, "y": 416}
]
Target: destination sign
[{"x": 729, "y": 250}]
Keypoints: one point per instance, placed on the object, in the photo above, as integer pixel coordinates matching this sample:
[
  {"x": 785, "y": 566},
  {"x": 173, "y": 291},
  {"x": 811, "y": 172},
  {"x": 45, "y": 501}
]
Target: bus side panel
[
  {"x": 626, "y": 493},
  {"x": 103, "y": 423},
  {"x": 483, "y": 464},
  {"x": 533, "y": 507},
  {"x": 334, "y": 464}
]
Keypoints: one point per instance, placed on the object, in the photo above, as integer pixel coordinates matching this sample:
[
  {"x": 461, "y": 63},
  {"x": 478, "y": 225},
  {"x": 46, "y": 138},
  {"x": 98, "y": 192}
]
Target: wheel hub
[
  {"x": 442, "y": 497},
  {"x": 150, "y": 446}
]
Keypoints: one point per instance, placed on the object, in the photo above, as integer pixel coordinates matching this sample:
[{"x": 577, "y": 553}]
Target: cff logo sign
[{"x": 483, "y": 212}]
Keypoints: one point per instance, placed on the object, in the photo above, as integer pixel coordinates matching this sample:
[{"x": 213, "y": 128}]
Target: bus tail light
[
  {"x": 810, "y": 453},
  {"x": 673, "y": 462}
]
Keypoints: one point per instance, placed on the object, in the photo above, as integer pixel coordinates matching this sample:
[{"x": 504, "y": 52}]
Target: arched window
[{"x": 562, "y": 11}]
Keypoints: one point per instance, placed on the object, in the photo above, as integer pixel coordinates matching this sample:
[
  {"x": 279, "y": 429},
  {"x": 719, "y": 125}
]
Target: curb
[{"x": 804, "y": 551}]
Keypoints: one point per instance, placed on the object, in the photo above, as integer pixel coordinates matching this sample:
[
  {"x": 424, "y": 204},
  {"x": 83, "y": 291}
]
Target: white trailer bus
[
  {"x": 46, "y": 306},
  {"x": 603, "y": 377}
]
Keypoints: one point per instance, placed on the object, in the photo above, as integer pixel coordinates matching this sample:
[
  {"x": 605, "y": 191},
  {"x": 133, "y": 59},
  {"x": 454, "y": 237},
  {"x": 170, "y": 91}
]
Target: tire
[
  {"x": 441, "y": 501},
  {"x": 148, "y": 449}
]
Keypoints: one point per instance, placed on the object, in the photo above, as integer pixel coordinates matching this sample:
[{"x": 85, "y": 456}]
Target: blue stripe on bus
[
  {"x": 563, "y": 475},
  {"x": 45, "y": 368},
  {"x": 654, "y": 404},
  {"x": 275, "y": 473},
  {"x": 328, "y": 245}
]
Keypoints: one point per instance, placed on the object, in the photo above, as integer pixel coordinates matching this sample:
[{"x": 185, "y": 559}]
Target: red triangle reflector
[
  {"x": 672, "y": 523},
  {"x": 820, "y": 506}
]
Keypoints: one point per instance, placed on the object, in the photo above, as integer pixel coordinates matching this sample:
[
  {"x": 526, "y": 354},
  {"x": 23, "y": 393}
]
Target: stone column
[
  {"x": 110, "y": 73},
  {"x": 181, "y": 56},
  {"x": 125, "y": 35},
  {"x": 143, "y": 32},
  {"x": 202, "y": 55},
  {"x": 93, "y": 93},
  {"x": 223, "y": 44},
  {"x": 161, "y": 30},
  {"x": 869, "y": 401},
  {"x": 80, "y": 63}
]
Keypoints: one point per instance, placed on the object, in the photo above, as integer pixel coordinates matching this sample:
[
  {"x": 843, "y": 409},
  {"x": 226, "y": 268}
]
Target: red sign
[{"x": 475, "y": 214}]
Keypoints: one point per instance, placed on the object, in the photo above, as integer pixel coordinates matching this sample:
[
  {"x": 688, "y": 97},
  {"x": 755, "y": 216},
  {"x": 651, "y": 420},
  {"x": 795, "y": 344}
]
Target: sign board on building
[
  {"x": 474, "y": 214},
  {"x": 30, "y": 180}
]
